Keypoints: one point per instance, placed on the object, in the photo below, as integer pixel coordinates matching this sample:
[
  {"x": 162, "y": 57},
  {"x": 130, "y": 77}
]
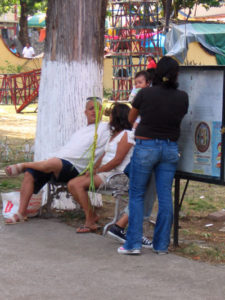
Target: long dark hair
[
  {"x": 119, "y": 118},
  {"x": 166, "y": 73}
]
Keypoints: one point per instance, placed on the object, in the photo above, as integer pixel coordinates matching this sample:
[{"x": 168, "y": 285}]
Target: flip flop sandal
[
  {"x": 14, "y": 170},
  {"x": 86, "y": 229},
  {"x": 16, "y": 218}
]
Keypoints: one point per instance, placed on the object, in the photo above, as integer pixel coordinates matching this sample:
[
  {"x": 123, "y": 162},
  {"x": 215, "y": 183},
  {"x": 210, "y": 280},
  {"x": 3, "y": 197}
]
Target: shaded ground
[{"x": 196, "y": 240}]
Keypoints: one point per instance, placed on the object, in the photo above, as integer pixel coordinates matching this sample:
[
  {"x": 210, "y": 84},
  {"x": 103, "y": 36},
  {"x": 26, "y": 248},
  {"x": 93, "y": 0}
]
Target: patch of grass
[
  {"x": 7, "y": 185},
  {"x": 215, "y": 254},
  {"x": 210, "y": 253},
  {"x": 206, "y": 235},
  {"x": 213, "y": 201},
  {"x": 191, "y": 249},
  {"x": 201, "y": 205},
  {"x": 185, "y": 231}
]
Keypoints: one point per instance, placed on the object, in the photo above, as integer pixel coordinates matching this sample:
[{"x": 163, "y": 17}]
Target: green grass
[
  {"x": 7, "y": 185},
  {"x": 201, "y": 205},
  {"x": 195, "y": 203},
  {"x": 209, "y": 253}
]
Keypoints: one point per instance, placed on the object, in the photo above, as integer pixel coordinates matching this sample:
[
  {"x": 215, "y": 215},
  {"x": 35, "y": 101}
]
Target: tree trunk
[
  {"x": 177, "y": 5},
  {"x": 168, "y": 8},
  {"x": 163, "y": 2},
  {"x": 72, "y": 70},
  {"x": 165, "y": 5},
  {"x": 23, "y": 34}
]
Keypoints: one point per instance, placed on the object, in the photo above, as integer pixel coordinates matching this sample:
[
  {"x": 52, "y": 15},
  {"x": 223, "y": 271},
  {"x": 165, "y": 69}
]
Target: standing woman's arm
[{"x": 133, "y": 114}]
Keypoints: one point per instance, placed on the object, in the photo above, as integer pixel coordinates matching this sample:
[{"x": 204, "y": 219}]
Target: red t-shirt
[{"x": 151, "y": 65}]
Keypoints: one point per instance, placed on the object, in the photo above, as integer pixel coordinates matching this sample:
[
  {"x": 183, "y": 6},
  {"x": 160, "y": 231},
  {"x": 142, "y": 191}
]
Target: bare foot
[{"x": 14, "y": 170}]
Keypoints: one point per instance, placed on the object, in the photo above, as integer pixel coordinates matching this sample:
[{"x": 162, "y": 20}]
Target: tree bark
[
  {"x": 72, "y": 70},
  {"x": 168, "y": 7},
  {"x": 163, "y": 2},
  {"x": 23, "y": 34}
]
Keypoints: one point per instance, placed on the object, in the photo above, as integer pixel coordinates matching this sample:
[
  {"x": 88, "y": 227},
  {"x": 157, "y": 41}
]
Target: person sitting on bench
[
  {"x": 117, "y": 155},
  {"x": 66, "y": 164}
]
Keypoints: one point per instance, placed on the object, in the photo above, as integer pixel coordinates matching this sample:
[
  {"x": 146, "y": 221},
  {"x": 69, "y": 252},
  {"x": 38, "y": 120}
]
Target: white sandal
[
  {"x": 15, "y": 219},
  {"x": 14, "y": 170}
]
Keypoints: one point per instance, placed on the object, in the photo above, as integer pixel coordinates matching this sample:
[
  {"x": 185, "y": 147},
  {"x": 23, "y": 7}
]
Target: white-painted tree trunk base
[{"x": 63, "y": 91}]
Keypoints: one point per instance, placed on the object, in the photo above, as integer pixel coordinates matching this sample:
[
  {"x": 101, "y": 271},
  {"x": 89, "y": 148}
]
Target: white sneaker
[{"x": 122, "y": 250}]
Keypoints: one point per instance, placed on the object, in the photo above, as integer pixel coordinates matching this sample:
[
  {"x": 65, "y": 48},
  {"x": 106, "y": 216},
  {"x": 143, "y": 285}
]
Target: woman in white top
[{"x": 117, "y": 155}]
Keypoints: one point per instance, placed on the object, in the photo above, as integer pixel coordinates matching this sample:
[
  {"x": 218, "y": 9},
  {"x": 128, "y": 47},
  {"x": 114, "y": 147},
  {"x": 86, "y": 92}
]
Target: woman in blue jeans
[{"x": 162, "y": 108}]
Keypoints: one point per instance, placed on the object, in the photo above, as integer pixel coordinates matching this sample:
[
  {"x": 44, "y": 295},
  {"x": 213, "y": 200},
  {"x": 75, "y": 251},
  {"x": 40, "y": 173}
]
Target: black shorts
[{"x": 40, "y": 178}]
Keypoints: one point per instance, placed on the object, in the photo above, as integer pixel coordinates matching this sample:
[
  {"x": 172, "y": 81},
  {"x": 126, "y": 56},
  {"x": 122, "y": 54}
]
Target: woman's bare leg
[{"x": 78, "y": 187}]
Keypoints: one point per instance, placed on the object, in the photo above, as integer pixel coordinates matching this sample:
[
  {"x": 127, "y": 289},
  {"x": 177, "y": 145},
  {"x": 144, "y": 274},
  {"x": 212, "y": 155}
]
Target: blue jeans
[
  {"x": 162, "y": 157},
  {"x": 150, "y": 194}
]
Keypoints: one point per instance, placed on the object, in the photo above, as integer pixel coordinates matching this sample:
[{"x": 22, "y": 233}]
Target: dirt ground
[
  {"x": 17, "y": 133},
  {"x": 17, "y": 126},
  {"x": 199, "y": 237}
]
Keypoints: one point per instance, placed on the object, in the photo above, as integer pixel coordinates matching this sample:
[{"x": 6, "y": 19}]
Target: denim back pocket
[
  {"x": 171, "y": 154},
  {"x": 146, "y": 156}
]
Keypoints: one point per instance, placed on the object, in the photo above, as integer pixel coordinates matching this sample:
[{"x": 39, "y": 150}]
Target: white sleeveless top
[{"x": 111, "y": 148}]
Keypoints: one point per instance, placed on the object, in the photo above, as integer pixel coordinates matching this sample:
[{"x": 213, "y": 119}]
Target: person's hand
[
  {"x": 95, "y": 171},
  {"x": 87, "y": 174}
]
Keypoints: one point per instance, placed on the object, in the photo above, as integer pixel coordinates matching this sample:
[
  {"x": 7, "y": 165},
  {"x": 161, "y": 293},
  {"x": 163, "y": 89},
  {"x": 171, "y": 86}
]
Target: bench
[{"x": 116, "y": 185}]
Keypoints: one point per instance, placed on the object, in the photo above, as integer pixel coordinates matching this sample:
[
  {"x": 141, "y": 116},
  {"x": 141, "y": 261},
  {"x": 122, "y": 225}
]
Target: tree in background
[
  {"x": 6, "y": 5},
  {"x": 26, "y": 7},
  {"x": 179, "y": 4},
  {"x": 72, "y": 70}
]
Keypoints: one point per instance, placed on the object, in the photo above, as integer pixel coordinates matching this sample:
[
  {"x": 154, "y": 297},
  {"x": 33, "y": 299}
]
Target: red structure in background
[
  {"x": 19, "y": 89},
  {"x": 134, "y": 34}
]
